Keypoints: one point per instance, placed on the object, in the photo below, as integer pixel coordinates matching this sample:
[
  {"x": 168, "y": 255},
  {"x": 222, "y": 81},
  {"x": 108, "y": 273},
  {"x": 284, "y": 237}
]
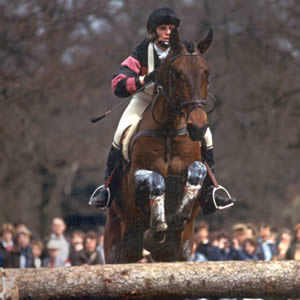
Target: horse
[{"x": 159, "y": 192}]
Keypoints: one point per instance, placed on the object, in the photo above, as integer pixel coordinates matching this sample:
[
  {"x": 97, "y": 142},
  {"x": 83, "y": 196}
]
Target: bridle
[{"x": 178, "y": 106}]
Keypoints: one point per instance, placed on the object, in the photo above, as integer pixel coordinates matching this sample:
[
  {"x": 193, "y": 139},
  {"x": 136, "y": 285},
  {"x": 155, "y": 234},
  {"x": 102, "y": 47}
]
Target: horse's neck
[{"x": 166, "y": 116}]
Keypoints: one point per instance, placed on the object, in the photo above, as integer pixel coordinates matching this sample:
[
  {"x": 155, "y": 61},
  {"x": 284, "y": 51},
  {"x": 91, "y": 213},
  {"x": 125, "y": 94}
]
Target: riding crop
[{"x": 96, "y": 119}]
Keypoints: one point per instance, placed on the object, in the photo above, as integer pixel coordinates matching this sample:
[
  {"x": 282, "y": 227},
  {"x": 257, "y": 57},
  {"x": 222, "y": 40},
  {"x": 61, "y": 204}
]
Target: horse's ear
[
  {"x": 204, "y": 44},
  {"x": 175, "y": 43}
]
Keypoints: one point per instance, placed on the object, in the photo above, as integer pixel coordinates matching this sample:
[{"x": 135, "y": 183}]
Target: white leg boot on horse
[
  {"x": 102, "y": 196},
  {"x": 210, "y": 201}
]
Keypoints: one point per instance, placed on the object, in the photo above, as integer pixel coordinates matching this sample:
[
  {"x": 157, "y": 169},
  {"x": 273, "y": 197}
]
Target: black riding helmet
[{"x": 162, "y": 16}]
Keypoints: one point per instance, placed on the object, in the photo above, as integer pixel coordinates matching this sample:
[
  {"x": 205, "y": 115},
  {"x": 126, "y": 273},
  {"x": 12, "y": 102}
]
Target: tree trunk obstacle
[{"x": 249, "y": 279}]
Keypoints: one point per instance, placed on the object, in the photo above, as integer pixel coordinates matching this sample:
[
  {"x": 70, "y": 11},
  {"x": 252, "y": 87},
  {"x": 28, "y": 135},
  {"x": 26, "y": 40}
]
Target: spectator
[
  {"x": 196, "y": 256},
  {"x": 37, "y": 251},
  {"x": 100, "y": 247},
  {"x": 294, "y": 250},
  {"x": 248, "y": 250},
  {"x": 266, "y": 248},
  {"x": 251, "y": 231},
  {"x": 201, "y": 233},
  {"x": 89, "y": 255},
  {"x": 225, "y": 247},
  {"x": 7, "y": 236},
  {"x": 6, "y": 244},
  {"x": 54, "y": 259},
  {"x": 77, "y": 240},
  {"x": 282, "y": 245},
  {"x": 58, "y": 228},
  {"x": 21, "y": 255},
  {"x": 240, "y": 233}
]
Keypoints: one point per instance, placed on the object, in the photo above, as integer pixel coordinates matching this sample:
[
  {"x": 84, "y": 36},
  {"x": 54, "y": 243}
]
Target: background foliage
[{"x": 56, "y": 62}]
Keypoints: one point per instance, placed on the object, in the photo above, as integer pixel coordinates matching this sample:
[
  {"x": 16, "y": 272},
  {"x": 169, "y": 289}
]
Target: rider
[{"x": 138, "y": 72}]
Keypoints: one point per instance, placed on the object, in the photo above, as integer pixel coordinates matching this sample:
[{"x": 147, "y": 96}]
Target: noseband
[{"x": 176, "y": 105}]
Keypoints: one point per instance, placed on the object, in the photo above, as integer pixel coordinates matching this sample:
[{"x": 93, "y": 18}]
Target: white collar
[{"x": 162, "y": 54}]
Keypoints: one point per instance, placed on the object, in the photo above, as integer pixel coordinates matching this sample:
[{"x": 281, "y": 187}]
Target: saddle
[{"x": 126, "y": 140}]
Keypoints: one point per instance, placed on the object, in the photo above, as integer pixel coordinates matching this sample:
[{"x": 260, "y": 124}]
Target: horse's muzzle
[{"x": 196, "y": 133}]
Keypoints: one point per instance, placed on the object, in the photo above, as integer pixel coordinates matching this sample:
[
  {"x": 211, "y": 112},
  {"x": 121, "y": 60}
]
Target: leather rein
[{"x": 176, "y": 106}]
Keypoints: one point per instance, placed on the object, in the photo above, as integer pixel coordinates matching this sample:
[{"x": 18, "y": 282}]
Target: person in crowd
[
  {"x": 248, "y": 250},
  {"x": 100, "y": 246},
  {"x": 239, "y": 234},
  {"x": 201, "y": 237},
  {"x": 294, "y": 250},
  {"x": 58, "y": 228},
  {"x": 54, "y": 259},
  {"x": 266, "y": 248},
  {"x": 77, "y": 240},
  {"x": 224, "y": 247},
  {"x": 37, "y": 252},
  {"x": 196, "y": 256},
  {"x": 7, "y": 244},
  {"x": 138, "y": 71},
  {"x": 21, "y": 255},
  {"x": 201, "y": 233},
  {"x": 89, "y": 255},
  {"x": 7, "y": 236},
  {"x": 209, "y": 249},
  {"x": 282, "y": 244},
  {"x": 251, "y": 231}
]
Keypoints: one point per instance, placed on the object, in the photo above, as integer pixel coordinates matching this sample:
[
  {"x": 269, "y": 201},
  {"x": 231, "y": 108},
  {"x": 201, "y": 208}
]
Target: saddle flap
[{"x": 127, "y": 135}]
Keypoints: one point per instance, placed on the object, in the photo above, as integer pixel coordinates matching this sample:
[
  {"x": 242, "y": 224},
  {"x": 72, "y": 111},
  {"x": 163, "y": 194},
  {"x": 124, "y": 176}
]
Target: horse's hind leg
[
  {"x": 154, "y": 184},
  {"x": 123, "y": 243}
]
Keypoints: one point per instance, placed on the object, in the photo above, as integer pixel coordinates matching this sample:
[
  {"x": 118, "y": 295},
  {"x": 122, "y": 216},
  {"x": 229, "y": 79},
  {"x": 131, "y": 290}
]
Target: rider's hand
[{"x": 150, "y": 77}]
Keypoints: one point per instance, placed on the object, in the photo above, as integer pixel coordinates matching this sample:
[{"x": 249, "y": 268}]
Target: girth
[{"x": 167, "y": 135}]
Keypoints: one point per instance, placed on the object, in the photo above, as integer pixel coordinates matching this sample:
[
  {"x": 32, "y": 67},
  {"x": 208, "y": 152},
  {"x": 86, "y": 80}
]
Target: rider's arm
[{"x": 129, "y": 77}]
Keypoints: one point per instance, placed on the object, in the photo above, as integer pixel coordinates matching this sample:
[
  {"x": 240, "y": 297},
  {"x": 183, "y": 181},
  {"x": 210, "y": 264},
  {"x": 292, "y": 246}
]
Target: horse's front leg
[
  {"x": 195, "y": 176},
  {"x": 154, "y": 184}
]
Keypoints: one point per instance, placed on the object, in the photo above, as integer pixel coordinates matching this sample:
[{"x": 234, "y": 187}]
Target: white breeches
[{"x": 133, "y": 112}]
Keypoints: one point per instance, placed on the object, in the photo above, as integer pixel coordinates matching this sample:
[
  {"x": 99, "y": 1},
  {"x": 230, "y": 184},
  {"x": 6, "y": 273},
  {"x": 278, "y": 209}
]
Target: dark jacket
[
  {"x": 3, "y": 253},
  {"x": 84, "y": 257},
  {"x": 290, "y": 254},
  {"x": 260, "y": 252},
  {"x": 12, "y": 259},
  {"x": 125, "y": 80}
]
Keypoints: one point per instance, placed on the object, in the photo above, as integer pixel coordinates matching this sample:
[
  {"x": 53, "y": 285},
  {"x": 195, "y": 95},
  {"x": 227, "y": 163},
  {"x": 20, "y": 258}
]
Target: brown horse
[{"x": 159, "y": 190}]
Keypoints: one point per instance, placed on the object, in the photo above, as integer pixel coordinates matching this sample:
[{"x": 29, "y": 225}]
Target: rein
[{"x": 176, "y": 106}]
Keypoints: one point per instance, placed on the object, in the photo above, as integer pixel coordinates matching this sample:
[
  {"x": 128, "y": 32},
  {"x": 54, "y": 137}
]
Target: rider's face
[{"x": 164, "y": 31}]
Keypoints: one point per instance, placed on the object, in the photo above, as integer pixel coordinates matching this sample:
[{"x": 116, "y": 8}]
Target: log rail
[{"x": 230, "y": 279}]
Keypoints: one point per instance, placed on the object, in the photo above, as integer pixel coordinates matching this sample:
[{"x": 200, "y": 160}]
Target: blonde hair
[{"x": 7, "y": 227}]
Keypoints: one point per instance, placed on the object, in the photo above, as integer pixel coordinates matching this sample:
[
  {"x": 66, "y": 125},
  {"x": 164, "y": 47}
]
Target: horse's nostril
[{"x": 196, "y": 133}]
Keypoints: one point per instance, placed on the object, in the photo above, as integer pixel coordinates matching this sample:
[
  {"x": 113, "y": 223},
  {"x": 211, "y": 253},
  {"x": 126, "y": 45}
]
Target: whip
[{"x": 96, "y": 119}]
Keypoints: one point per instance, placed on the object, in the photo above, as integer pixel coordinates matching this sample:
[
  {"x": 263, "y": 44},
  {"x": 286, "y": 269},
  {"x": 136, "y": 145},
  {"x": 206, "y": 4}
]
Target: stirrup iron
[
  {"x": 220, "y": 187},
  {"x": 100, "y": 189}
]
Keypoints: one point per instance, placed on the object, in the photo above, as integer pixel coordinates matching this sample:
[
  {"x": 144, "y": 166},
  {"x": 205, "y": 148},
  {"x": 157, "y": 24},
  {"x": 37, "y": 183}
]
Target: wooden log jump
[{"x": 230, "y": 279}]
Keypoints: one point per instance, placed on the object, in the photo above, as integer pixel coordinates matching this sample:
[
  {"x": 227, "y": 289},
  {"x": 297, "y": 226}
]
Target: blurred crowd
[
  {"x": 246, "y": 242},
  {"x": 19, "y": 248}
]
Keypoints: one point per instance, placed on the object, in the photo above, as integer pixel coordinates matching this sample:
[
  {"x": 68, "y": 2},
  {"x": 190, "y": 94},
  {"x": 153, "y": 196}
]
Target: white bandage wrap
[{"x": 208, "y": 139}]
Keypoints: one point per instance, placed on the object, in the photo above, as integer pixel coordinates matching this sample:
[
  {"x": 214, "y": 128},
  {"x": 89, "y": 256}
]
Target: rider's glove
[{"x": 150, "y": 77}]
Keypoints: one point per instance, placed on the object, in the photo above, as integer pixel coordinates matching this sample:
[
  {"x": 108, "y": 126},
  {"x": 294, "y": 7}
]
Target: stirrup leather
[
  {"x": 220, "y": 187},
  {"x": 100, "y": 189}
]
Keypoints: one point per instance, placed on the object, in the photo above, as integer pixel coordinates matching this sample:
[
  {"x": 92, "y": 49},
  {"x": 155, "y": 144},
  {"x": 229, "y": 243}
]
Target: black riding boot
[
  {"x": 206, "y": 197},
  {"x": 102, "y": 196}
]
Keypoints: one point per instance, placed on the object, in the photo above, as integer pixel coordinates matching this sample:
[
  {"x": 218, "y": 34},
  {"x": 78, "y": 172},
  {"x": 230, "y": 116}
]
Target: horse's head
[{"x": 185, "y": 77}]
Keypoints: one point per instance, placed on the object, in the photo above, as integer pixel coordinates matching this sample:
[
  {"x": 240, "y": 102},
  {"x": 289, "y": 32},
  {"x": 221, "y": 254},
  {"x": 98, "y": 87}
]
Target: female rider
[{"x": 138, "y": 71}]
